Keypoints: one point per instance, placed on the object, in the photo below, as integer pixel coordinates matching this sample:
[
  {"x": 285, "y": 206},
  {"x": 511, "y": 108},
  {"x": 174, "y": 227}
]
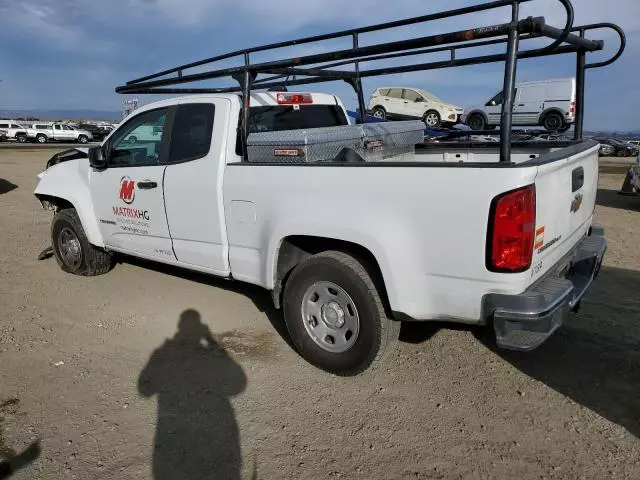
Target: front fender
[{"x": 70, "y": 181}]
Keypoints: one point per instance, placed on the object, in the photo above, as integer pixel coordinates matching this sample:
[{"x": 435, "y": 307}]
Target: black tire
[
  {"x": 380, "y": 113},
  {"x": 553, "y": 122},
  {"x": 21, "y": 138},
  {"x": 83, "y": 139},
  {"x": 433, "y": 117},
  {"x": 41, "y": 138},
  {"x": 477, "y": 122},
  {"x": 376, "y": 331},
  {"x": 92, "y": 261}
]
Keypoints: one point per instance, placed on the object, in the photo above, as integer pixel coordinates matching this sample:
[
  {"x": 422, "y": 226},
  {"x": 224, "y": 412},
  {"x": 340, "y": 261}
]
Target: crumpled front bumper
[{"x": 525, "y": 321}]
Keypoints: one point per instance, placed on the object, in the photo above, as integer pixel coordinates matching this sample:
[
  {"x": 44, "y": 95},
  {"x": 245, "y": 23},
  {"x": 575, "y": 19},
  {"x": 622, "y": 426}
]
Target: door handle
[
  {"x": 147, "y": 185},
  {"x": 521, "y": 104}
]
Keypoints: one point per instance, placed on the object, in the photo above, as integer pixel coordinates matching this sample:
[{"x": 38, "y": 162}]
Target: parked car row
[
  {"x": 44, "y": 132},
  {"x": 617, "y": 148},
  {"x": 548, "y": 103}
]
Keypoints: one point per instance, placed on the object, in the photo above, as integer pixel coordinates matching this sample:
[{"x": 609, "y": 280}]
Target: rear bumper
[{"x": 525, "y": 321}]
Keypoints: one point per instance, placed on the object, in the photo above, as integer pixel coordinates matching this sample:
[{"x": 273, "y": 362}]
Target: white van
[{"x": 549, "y": 103}]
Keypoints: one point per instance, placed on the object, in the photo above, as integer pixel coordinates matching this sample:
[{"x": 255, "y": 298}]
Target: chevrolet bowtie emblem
[{"x": 577, "y": 202}]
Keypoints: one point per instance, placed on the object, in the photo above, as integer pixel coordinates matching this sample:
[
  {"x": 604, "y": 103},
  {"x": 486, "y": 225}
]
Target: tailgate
[{"x": 566, "y": 188}]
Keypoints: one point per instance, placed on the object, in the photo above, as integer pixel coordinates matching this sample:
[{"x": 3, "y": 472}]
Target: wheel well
[
  {"x": 54, "y": 203},
  {"x": 380, "y": 107},
  {"x": 297, "y": 248}
]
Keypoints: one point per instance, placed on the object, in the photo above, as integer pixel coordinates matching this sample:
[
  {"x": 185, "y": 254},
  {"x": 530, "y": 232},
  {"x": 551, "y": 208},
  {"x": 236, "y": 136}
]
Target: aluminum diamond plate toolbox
[{"x": 372, "y": 142}]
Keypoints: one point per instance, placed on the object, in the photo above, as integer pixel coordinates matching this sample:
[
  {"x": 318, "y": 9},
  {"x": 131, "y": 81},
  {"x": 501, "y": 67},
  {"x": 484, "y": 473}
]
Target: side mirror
[
  {"x": 419, "y": 99},
  {"x": 97, "y": 158}
]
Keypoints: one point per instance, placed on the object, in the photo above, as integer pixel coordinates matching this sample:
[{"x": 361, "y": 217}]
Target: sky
[{"x": 71, "y": 54}]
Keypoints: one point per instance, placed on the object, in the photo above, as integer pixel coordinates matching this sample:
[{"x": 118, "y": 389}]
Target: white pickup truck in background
[
  {"x": 349, "y": 247},
  {"x": 14, "y": 131},
  {"x": 47, "y": 132}
]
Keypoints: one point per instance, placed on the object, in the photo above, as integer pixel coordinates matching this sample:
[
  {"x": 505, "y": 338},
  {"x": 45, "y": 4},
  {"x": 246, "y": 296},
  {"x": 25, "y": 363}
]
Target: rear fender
[{"x": 69, "y": 181}]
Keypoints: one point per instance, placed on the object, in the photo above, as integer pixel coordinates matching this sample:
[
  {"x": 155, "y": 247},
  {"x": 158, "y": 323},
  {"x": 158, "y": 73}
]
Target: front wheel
[
  {"x": 335, "y": 315},
  {"x": 476, "y": 122},
  {"x": 72, "y": 249},
  {"x": 431, "y": 119}
]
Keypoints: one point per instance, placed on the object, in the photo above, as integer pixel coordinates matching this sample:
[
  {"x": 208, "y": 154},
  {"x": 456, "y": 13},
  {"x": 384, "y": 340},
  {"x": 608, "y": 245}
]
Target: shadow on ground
[
  {"x": 194, "y": 378},
  {"x": 594, "y": 359},
  {"x": 6, "y": 186},
  {"x": 612, "y": 199},
  {"x": 10, "y": 460}
]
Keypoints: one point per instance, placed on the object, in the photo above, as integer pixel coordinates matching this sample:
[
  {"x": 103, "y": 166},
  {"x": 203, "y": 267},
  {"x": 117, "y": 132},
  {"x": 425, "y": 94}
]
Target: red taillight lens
[
  {"x": 572, "y": 107},
  {"x": 512, "y": 230},
  {"x": 294, "y": 98}
]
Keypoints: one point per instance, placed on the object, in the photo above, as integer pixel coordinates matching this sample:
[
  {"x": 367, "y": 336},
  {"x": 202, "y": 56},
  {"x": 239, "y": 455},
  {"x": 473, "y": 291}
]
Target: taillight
[
  {"x": 572, "y": 107},
  {"x": 294, "y": 98},
  {"x": 512, "y": 231}
]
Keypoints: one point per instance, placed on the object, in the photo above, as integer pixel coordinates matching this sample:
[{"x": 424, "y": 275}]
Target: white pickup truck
[
  {"x": 349, "y": 249},
  {"x": 47, "y": 132}
]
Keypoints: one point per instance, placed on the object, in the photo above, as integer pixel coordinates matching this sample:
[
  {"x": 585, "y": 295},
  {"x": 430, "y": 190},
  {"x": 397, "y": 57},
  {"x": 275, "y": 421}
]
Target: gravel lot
[{"x": 110, "y": 377}]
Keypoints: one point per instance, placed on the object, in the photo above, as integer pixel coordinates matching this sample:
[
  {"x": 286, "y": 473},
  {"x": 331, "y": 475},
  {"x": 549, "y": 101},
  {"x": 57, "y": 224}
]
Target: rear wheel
[
  {"x": 21, "y": 138},
  {"x": 477, "y": 122},
  {"x": 83, "y": 139},
  {"x": 379, "y": 113},
  {"x": 335, "y": 315},
  {"x": 431, "y": 119},
  {"x": 72, "y": 249},
  {"x": 41, "y": 138},
  {"x": 553, "y": 122}
]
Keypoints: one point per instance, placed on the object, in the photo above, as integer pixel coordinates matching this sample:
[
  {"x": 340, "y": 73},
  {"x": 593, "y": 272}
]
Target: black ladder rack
[{"x": 321, "y": 67}]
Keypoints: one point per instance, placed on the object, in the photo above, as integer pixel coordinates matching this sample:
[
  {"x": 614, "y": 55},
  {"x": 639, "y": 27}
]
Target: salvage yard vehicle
[
  {"x": 406, "y": 103},
  {"x": 549, "y": 103},
  {"x": 14, "y": 131},
  {"x": 47, "y": 132},
  {"x": 352, "y": 228},
  {"x": 621, "y": 149}
]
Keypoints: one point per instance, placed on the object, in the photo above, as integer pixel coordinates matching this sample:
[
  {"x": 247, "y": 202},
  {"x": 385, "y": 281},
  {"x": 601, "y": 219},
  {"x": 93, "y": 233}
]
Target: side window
[
  {"x": 191, "y": 134},
  {"x": 384, "y": 91},
  {"x": 497, "y": 100},
  {"x": 395, "y": 92},
  {"x": 4, "y": 125},
  {"x": 57, "y": 127},
  {"x": 137, "y": 143},
  {"x": 411, "y": 95}
]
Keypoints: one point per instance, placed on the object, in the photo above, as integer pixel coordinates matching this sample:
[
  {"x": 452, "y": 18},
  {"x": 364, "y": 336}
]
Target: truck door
[
  {"x": 57, "y": 132},
  {"x": 193, "y": 184},
  {"x": 128, "y": 194}
]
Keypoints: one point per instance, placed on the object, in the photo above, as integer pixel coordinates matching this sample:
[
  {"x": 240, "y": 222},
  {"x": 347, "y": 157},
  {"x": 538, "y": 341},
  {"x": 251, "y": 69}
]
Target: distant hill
[{"x": 63, "y": 114}]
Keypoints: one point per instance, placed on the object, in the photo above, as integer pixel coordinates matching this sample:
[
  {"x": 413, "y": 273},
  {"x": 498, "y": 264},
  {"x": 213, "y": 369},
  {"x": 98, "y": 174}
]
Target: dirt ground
[{"x": 151, "y": 372}]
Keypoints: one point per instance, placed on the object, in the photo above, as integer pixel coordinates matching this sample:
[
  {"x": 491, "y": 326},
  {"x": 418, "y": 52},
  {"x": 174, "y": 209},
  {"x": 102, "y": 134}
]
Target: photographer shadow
[{"x": 194, "y": 378}]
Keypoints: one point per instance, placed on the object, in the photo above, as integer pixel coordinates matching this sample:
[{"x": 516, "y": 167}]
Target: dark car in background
[
  {"x": 622, "y": 149},
  {"x": 97, "y": 132}
]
